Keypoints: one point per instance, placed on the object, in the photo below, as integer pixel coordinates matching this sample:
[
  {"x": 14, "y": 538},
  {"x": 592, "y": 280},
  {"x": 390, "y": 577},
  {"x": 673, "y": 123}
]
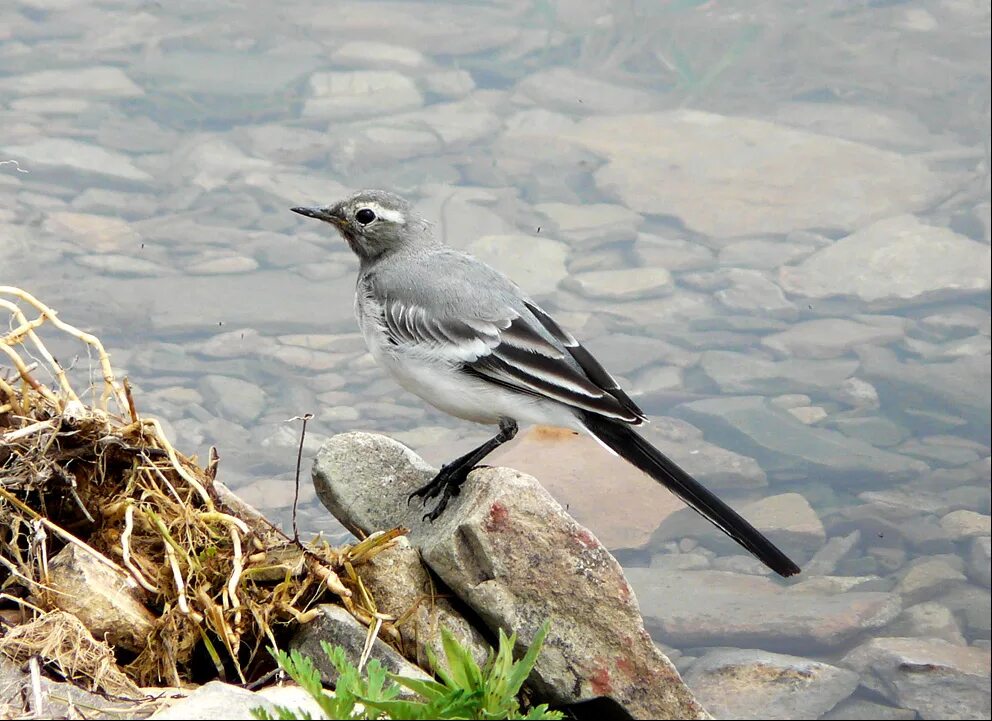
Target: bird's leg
[{"x": 449, "y": 479}]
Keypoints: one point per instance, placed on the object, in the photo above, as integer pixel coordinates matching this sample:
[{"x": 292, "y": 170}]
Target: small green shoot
[{"x": 465, "y": 691}]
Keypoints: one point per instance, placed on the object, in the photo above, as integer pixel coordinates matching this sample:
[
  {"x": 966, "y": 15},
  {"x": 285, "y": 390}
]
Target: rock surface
[
  {"x": 894, "y": 262},
  {"x": 935, "y": 678},
  {"x": 513, "y": 555},
  {"x": 339, "y": 628},
  {"x": 216, "y": 700},
  {"x": 106, "y": 601},
  {"x": 753, "y": 684},
  {"x": 686, "y": 162},
  {"x": 398, "y": 581},
  {"x": 710, "y": 608}
]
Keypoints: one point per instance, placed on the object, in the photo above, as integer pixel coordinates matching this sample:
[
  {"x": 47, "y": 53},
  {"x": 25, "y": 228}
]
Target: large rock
[
  {"x": 512, "y": 554},
  {"x": 687, "y": 162},
  {"x": 753, "y": 684},
  {"x": 710, "y": 608},
  {"x": 935, "y": 678},
  {"x": 894, "y": 262}
]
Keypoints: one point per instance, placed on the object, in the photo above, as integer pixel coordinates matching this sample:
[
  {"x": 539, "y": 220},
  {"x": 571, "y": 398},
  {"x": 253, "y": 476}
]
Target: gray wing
[{"x": 513, "y": 344}]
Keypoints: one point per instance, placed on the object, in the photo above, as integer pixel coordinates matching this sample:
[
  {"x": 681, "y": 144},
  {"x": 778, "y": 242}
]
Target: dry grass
[{"x": 216, "y": 577}]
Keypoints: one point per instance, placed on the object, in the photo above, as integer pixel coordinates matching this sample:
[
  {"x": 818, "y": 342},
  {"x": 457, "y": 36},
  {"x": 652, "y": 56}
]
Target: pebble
[{"x": 569, "y": 91}]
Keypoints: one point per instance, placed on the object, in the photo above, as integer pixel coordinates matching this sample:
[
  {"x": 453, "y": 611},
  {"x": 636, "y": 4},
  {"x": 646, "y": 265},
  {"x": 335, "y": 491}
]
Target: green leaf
[
  {"x": 462, "y": 667},
  {"x": 430, "y": 690},
  {"x": 523, "y": 667}
]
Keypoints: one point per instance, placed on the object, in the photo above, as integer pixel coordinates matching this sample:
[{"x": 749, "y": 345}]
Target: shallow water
[{"x": 770, "y": 221}]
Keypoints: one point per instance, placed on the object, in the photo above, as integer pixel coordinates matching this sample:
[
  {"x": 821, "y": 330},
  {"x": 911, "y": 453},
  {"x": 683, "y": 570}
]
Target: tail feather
[{"x": 636, "y": 450}]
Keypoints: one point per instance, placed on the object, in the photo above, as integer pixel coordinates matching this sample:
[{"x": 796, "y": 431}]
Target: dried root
[{"x": 108, "y": 481}]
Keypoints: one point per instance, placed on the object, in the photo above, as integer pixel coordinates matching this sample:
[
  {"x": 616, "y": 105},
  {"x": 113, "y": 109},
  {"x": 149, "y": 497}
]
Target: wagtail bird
[{"x": 467, "y": 340}]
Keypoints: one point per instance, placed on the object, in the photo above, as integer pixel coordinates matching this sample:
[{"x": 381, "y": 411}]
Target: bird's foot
[{"x": 446, "y": 483}]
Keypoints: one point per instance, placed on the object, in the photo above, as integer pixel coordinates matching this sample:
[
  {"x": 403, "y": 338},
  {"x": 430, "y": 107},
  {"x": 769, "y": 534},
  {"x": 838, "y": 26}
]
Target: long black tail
[{"x": 636, "y": 450}]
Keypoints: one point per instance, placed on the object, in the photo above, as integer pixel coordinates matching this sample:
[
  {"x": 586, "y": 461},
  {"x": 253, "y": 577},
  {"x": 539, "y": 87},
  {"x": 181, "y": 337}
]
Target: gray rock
[
  {"x": 570, "y": 91},
  {"x": 122, "y": 265},
  {"x": 762, "y": 254},
  {"x": 671, "y": 253},
  {"x": 979, "y": 560},
  {"x": 108, "y": 602},
  {"x": 76, "y": 155},
  {"x": 398, "y": 581},
  {"x": 62, "y": 700},
  {"x": 295, "y": 699},
  {"x": 736, "y": 372},
  {"x": 592, "y": 223},
  {"x": 234, "y": 398},
  {"x": 751, "y": 291},
  {"x": 216, "y": 700},
  {"x": 545, "y": 266},
  {"x": 833, "y": 337},
  {"x": 776, "y": 439},
  {"x": 900, "y": 261},
  {"x": 753, "y": 684},
  {"x": 868, "y": 711},
  {"x": 104, "y": 80},
  {"x": 935, "y": 678},
  {"x": 686, "y": 162},
  {"x": 928, "y": 620},
  {"x": 927, "y": 578},
  {"x": 708, "y": 608},
  {"x": 964, "y": 385},
  {"x": 825, "y": 560},
  {"x": 966, "y": 524},
  {"x": 787, "y": 519},
  {"x": 484, "y": 547},
  {"x": 339, "y": 95},
  {"x": 339, "y": 628},
  {"x": 624, "y": 284}
]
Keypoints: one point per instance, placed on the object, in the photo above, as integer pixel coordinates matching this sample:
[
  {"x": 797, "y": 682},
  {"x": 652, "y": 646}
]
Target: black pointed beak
[{"x": 324, "y": 214}]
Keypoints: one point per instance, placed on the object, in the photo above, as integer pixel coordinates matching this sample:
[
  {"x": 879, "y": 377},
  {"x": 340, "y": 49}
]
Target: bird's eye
[{"x": 364, "y": 216}]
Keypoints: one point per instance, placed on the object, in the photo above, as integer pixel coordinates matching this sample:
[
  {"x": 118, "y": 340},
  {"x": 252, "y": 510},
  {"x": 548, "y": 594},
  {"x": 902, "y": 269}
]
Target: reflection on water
[{"x": 771, "y": 221}]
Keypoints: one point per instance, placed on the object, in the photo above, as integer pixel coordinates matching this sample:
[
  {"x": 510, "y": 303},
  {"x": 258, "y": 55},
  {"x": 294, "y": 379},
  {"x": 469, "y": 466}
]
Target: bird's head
[{"x": 374, "y": 222}]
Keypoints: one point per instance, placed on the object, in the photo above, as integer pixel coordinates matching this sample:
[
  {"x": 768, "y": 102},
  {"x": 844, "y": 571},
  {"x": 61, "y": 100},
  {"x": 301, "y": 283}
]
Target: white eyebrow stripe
[{"x": 393, "y": 216}]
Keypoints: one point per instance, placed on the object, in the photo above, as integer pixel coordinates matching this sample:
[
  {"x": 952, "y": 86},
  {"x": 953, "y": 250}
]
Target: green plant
[{"x": 464, "y": 691}]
